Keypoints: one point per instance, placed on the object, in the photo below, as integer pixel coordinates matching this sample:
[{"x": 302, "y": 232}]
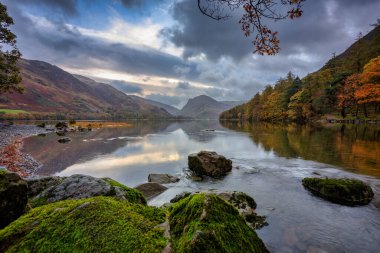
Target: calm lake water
[{"x": 269, "y": 163}]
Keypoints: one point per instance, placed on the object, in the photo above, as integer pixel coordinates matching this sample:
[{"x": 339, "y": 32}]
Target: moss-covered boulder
[
  {"x": 343, "y": 191},
  {"x": 99, "y": 224},
  {"x": 206, "y": 223},
  {"x": 13, "y": 197},
  {"x": 83, "y": 186}
]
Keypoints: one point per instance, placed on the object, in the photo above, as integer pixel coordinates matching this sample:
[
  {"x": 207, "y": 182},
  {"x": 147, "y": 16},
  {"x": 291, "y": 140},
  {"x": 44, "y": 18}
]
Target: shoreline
[{"x": 11, "y": 142}]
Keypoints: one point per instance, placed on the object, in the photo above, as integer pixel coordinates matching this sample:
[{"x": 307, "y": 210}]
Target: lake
[{"x": 269, "y": 163}]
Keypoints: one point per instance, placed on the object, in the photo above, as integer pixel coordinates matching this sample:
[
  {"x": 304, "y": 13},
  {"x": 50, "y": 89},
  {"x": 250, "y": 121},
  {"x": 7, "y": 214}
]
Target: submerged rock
[
  {"x": 162, "y": 178},
  {"x": 206, "y": 223},
  {"x": 150, "y": 190},
  {"x": 13, "y": 197},
  {"x": 99, "y": 224},
  {"x": 343, "y": 191},
  {"x": 207, "y": 163},
  {"x": 82, "y": 186},
  {"x": 64, "y": 140}
]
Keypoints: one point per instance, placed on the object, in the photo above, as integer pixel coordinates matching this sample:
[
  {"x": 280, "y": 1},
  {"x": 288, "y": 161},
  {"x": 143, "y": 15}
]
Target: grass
[
  {"x": 100, "y": 224},
  {"x": 207, "y": 223},
  {"x": 13, "y": 111}
]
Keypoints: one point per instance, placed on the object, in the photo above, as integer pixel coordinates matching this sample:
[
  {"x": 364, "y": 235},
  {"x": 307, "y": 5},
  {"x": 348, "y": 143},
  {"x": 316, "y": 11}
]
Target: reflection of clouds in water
[{"x": 104, "y": 163}]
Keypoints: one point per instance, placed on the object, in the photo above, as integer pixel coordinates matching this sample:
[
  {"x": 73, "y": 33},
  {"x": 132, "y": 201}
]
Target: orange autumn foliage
[{"x": 368, "y": 90}]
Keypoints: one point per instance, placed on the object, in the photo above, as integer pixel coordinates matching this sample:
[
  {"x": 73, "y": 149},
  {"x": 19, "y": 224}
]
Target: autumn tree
[
  {"x": 368, "y": 90},
  {"x": 9, "y": 55},
  {"x": 252, "y": 22},
  {"x": 346, "y": 95}
]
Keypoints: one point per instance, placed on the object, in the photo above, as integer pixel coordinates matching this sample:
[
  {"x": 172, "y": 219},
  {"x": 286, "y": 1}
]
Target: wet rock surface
[
  {"x": 162, "y": 178},
  {"x": 207, "y": 163},
  {"x": 13, "y": 197},
  {"x": 150, "y": 190}
]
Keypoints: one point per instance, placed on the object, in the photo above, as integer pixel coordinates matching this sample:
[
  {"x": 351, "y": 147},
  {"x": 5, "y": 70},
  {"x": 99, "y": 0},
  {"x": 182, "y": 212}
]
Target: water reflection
[
  {"x": 353, "y": 147},
  {"x": 269, "y": 163}
]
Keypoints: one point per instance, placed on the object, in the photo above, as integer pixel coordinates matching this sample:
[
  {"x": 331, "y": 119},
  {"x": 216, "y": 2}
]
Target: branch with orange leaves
[{"x": 255, "y": 11}]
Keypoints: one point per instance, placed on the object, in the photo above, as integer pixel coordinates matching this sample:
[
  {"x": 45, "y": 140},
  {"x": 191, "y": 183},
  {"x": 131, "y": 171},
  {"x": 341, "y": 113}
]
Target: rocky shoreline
[{"x": 11, "y": 140}]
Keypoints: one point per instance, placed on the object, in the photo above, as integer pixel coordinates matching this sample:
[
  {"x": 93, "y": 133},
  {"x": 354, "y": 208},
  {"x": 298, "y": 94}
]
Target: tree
[
  {"x": 9, "y": 55},
  {"x": 252, "y": 21},
  {"x": 368, "y": 91},
  {"x": 346, "y": 95}
]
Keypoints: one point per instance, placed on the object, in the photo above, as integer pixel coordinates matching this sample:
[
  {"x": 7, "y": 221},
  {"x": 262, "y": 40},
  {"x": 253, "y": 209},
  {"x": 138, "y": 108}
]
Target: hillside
[
  {"x": 347, "y": 87},
  {"x": 55, "y": 93},
  {"x": 170, "y": 109},
  {"x": 204, "y": 107}
]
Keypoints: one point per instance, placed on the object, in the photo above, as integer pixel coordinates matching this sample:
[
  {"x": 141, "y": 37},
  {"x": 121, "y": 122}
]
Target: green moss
[
  {"x": 100, "y": 224},
  {"x": 343, "y": 191},
  {"x": 132, "y": 195},
  {"x": 3, "y": 171},
  {"x": 207, "y": 223},
  {"x": 36, "y": 202}
]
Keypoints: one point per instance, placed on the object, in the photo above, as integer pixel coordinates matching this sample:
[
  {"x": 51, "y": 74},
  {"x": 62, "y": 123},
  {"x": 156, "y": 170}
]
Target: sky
[{"x": 169, "y": 52}]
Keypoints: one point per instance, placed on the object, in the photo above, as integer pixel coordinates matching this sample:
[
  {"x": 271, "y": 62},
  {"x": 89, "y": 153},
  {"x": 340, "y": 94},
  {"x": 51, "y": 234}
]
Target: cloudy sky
[{"x": 168, "y": 51}]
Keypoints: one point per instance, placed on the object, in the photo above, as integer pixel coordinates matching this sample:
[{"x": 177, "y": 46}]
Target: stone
[
  {"x": 81, "y": 187},
  {"x": 180, "y": 196},
  {"x": 206, "y": 223},
  {"x": 13, "y": 197},
  {"x": 344, "y": 191},
  {"x": 61, "y": 124},
  {"x": 162, "y": 178},
  {"x": 207, "y": 163},
  {"x": 150, "y": 190},
  {"x": 64, "y": 140},
  {"x": 37, "y": 185}
]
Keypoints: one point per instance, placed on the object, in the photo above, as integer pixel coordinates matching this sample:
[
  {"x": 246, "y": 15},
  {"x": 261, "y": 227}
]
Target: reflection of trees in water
[
  {"x": 56, "y": 157},
  {"x": 354, "y": 147}
]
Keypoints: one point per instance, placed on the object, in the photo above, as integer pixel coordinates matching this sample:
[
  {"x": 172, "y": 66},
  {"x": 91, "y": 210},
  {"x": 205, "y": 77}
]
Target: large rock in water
[
  {"x": 99, "y": 224},
  {"x": 342, "y": 191},
  {"x": 206, "y": 223},
  {"x": 13, "y": 197},
  {"x": 209, "y": 164},
  {"x": 82, "y": 186}
]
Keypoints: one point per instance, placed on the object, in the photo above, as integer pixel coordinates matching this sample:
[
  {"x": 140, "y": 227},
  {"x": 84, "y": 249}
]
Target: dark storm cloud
[
  {"x": 127, "y": 87},
  {"x": 325, "y": 25},
  {"x": 64, "y": 45}
]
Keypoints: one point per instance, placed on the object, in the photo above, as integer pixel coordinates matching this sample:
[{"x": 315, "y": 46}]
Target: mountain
[
  {"x": 170, "y": 109},
  {"x": 55, "y": 93},
  {"x": 204, "y": 107},
  {"x": 346, "y": 87}
]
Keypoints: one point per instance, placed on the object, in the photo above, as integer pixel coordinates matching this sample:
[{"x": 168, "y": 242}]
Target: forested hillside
[{"x": 348, "y": 86}]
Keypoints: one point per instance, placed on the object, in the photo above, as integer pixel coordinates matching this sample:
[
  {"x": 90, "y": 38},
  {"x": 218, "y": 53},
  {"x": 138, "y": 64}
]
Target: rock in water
[
  {"x": 207, "y": 223},
  {"x": 162, "y": 178},
  {"x": 150, "y": 190},
  {"x": 13, "y": 197},
  {"x": 82, "y": 186},
  {"x": 342, "y": 191},
  {"x": 64, "y": 140},
  {"x": 207, "y": 163}
]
